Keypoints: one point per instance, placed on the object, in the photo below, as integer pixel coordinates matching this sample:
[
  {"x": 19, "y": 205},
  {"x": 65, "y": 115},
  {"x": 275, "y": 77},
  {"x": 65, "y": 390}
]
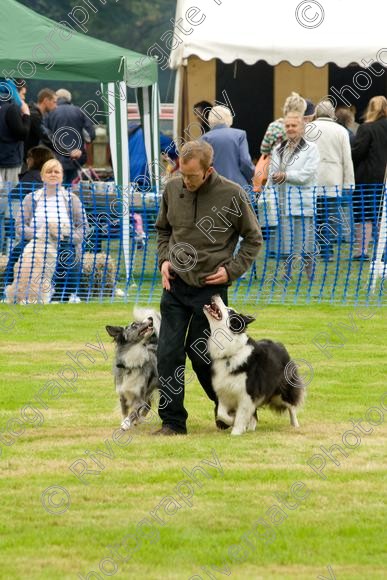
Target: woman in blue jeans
[{"x": 53, "y": 204}]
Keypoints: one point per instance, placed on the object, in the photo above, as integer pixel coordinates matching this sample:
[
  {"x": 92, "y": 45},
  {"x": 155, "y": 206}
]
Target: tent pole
[
  {"x": 118, "y": 139},
  {"x": 378, "y": 267}
]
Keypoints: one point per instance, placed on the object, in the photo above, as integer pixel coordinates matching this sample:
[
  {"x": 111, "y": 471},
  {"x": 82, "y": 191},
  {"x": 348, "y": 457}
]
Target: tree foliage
[
  {"x": 133, "y": 24},
  {"x": 136, "y": 24}
]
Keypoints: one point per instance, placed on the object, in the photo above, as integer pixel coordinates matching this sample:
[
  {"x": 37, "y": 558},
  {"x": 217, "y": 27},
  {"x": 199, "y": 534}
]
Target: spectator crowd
[
  {"x": 316, "y": 169},
  {"x": 318, "y": 172}
]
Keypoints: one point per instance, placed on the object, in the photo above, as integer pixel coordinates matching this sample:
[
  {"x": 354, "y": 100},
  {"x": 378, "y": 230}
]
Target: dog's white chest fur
[
  {"x": 230, "y": 387},
  {"x": 137, "y": 356}
]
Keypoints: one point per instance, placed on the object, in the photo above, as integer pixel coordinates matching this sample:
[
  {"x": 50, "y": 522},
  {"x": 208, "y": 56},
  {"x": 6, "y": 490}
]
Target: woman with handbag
[
  {"x": 293, "y": 177},
  {"x": 275, "y": 134}
]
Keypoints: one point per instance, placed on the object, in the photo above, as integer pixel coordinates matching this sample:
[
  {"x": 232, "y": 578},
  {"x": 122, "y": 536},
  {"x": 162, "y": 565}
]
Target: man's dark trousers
[
  {"x": 327, "y": 207},
  {"x": 183, "y": 323}
]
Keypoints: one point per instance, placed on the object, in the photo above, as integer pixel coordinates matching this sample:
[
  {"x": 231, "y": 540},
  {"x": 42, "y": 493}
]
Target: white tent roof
[{"x": 338, "y": 31}]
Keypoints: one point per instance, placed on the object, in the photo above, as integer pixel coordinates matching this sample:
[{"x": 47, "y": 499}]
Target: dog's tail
[
  {"x": 293, "y": 388},
  {"x": 141, "y": 314}
]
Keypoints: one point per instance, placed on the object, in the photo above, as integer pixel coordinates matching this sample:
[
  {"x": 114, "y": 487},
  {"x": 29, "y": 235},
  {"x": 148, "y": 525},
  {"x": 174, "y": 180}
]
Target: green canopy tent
[{"x": 33, "y": 46}]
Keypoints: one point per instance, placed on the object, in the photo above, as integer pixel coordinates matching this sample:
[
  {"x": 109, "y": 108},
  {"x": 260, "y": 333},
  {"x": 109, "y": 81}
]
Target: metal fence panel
[{"x": 319, "y": 246}]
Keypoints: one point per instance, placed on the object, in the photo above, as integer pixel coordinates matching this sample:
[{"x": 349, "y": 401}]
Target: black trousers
[
  {"x": 327, "y": 207},
  {"x": 182, "y": 332}
]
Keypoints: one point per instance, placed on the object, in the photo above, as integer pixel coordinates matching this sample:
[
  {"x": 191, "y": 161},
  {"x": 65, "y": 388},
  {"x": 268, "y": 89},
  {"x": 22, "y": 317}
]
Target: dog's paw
[
  {"x": 236, "y": 432},
  {"x": 125, "y": 425}
]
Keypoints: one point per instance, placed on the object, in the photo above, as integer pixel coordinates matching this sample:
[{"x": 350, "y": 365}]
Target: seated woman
[
  {"x": 29, "y": 180},
  {"x": 293, "y": 176},
  {"x": 52, "y": 204}
]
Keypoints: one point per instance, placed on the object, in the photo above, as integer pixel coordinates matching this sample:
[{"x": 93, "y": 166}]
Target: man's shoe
[
  {"x": 361, "y": 258},
  {"x": 167, "y": 431}
]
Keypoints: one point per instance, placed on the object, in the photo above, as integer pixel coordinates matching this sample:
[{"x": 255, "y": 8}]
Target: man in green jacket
[{"x": 201, "y": 217}]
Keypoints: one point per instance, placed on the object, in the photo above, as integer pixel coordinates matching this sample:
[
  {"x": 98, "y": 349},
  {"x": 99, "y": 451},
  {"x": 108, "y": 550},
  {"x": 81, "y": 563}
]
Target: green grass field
[{"x": 243, "y": 522}]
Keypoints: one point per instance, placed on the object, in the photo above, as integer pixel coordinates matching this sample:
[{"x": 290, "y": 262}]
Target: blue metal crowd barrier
[{"x": 320, "y": 245}]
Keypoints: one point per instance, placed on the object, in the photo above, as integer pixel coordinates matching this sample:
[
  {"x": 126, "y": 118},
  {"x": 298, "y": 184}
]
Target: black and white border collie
[{"x": 247, "y": 374}]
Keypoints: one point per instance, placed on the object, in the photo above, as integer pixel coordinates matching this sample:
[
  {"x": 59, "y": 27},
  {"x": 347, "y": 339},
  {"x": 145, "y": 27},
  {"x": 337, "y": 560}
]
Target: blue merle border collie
[
  {"x": 248, "y": 374},
  {"x": 135, "y": 364}
]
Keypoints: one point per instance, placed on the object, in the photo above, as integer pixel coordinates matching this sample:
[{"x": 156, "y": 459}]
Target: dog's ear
[
  {"x": 247, "y": 318},
  {"x": 237, "y": 323},
  {"x": 114, "y": 331}
]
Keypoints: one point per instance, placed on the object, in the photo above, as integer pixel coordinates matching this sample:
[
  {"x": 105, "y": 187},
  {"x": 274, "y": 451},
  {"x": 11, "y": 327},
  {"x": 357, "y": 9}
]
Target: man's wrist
[{"x": 227, "y": 272}]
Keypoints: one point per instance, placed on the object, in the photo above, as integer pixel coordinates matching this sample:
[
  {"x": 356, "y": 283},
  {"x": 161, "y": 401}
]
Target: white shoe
[{"x": 74, "y": 299}]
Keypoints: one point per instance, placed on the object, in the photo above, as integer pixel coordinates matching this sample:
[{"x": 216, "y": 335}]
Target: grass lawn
[{"x": 256, "y": 510}]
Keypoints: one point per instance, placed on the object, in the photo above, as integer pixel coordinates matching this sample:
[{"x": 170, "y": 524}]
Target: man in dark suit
[
  {"x": 231, "y": 152},
  {"x": 46, "y": 103},
  {"x": 69, "y": 128}
]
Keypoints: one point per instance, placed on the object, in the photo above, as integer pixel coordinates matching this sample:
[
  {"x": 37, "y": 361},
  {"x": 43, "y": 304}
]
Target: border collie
[
  {"x": 135, "y": 365},
  {"x": 247, "y": 374}
]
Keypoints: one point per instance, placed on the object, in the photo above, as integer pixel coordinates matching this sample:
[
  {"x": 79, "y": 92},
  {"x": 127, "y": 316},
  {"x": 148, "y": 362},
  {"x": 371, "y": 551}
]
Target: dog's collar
[
  {"x": 122, "y": 366},
  {"x": 129, "y": 369}
]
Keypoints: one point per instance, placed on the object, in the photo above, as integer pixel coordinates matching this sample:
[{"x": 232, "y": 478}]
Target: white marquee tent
[
  {"x": 306, "y": 32},
  {"x": 319, "y": 32}
]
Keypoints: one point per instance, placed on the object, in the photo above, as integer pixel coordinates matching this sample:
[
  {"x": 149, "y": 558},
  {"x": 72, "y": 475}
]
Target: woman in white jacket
[
  {"x": 293, "y": 177},
  {"x": 335, "y": 175}
]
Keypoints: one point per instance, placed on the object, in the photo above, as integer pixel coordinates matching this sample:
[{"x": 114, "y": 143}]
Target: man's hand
[
  {"x": 76, "y": 154},
  {"x": 279, "y": 177},
  {"x": 166, "y": 274},
  {"x": 220, "y": 276}
]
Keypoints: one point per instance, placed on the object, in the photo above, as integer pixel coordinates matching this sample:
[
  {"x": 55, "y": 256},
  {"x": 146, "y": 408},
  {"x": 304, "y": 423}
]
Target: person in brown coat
[{"x": 202, "y": 215}]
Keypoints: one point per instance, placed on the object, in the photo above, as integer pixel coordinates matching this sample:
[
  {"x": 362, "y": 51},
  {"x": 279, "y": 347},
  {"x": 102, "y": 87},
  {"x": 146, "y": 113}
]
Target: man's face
[
  {"x": 49, "y": 104},
  {"x": 23, "y": 93},
  {"x": 193, "y": 173}
]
